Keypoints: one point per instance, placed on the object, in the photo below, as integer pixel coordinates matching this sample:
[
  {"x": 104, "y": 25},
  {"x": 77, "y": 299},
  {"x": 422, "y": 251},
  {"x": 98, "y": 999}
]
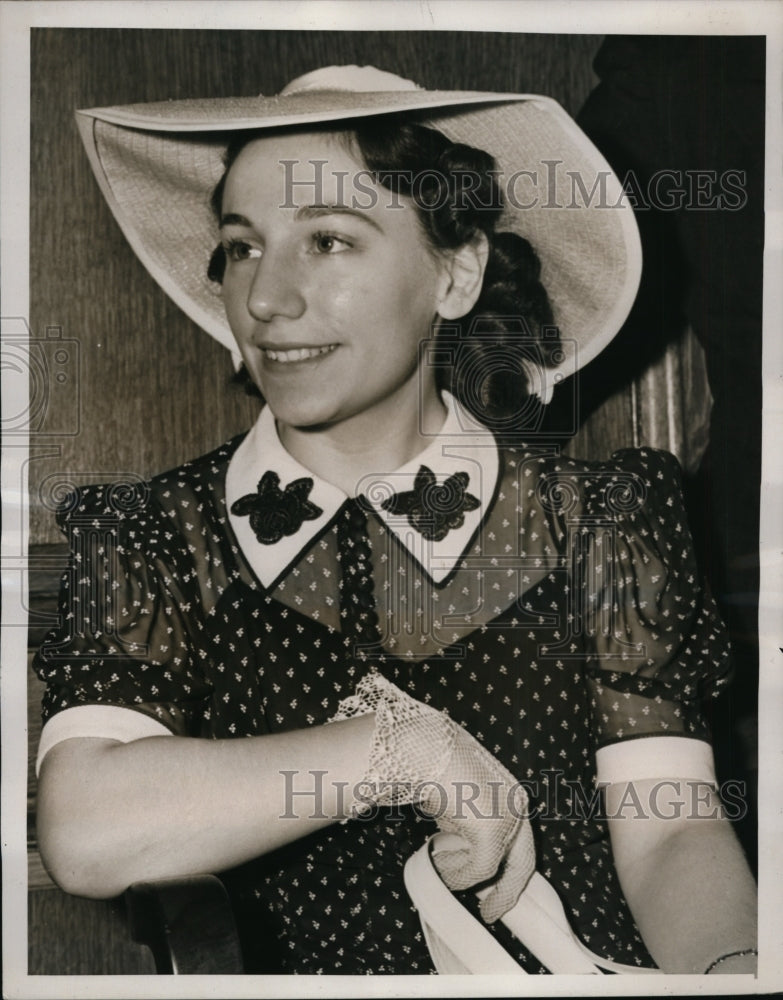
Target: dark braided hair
[{"x": 486, "y": 357}]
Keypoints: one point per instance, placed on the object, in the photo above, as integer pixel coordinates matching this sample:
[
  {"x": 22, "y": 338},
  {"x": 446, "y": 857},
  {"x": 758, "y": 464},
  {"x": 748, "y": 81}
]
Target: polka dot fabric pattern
[{"x": 573, "y": 619}]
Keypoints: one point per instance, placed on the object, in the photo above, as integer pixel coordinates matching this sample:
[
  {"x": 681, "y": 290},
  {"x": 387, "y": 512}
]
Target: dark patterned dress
[{"x": 572, "y": 619}]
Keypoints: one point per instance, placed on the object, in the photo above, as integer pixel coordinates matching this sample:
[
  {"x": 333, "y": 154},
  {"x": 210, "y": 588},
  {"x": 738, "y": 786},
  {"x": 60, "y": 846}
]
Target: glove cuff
[{"x": 411, "y": 745}]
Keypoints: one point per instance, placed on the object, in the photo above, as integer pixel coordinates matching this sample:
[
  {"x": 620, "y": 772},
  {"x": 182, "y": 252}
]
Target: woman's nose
[{"x": 274, "y": 290}]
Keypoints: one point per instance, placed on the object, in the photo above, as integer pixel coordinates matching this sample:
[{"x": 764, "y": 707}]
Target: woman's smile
[{"x": 294, "y": 355}]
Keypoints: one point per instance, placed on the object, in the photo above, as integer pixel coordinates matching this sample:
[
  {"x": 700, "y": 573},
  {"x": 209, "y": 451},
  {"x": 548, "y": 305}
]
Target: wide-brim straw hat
[{"x": 158, "y": 163}]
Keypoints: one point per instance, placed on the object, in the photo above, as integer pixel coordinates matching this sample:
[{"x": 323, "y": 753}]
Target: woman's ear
[{"x": 464, "y": 274}]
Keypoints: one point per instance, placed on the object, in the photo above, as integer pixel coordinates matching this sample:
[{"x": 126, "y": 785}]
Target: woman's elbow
[
  {"x": 74, "y": 837},
  {"x": 74, "y": 863}
]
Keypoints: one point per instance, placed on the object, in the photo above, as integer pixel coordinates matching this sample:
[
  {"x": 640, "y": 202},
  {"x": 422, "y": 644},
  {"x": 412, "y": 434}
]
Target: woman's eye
[
  {"x": 328, "y": 243},
  {"x": 237, "y": 251}
]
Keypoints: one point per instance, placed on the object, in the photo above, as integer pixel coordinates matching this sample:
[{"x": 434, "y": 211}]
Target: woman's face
[{"x": 329, "y": 287}]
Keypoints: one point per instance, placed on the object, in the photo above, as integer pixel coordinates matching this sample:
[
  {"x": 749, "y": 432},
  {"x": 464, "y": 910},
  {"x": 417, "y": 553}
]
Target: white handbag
[{"x": 460, "y": 944}]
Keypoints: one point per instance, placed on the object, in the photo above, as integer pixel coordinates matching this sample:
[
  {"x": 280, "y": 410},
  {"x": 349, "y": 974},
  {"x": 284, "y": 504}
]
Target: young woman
[{"x": 415, "y": 619}]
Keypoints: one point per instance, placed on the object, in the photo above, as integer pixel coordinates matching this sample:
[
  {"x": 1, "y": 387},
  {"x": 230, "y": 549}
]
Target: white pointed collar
[{"x": 460, "y": 445}]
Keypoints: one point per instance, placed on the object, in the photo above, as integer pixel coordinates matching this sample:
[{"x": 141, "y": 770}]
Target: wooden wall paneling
[
  {"x": 666, "y": 405},
  {"x": 79, "y": 937},
  {"x": 672, "y": 402}
]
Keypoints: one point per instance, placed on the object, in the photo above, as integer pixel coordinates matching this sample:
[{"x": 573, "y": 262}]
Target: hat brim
[{"x": 157, "y": 165}]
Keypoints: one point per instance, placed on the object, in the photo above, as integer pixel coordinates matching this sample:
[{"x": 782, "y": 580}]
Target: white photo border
[{"x": 553, "y": 16}]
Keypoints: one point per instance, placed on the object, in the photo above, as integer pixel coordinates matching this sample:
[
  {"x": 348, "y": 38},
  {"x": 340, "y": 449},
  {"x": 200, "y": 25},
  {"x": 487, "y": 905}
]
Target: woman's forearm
[
  {"x": 696, "y": 901},
  {"x": 111, "y": 813},
  {"x": 688, "y": 885}
]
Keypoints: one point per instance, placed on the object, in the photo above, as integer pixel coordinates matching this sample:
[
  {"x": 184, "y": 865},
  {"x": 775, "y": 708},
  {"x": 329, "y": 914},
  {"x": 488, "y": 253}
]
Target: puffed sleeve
[
  {"x": 125, "y": 635},
  {"x": 655, "y": 644}
]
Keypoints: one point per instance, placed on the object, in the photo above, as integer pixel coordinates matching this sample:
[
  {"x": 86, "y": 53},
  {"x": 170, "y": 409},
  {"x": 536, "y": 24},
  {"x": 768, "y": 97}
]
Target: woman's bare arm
[
  {"x": 684, "y": 875},
  {"x": 111, "y": 813}
]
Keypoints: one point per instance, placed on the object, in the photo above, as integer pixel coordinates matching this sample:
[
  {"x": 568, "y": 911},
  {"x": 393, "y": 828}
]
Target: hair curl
[{"x": 510, "y": 331}]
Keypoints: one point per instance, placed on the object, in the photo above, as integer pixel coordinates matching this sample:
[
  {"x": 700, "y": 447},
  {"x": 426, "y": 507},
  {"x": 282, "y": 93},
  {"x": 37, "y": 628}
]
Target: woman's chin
[{"x": 304, "y": 415}]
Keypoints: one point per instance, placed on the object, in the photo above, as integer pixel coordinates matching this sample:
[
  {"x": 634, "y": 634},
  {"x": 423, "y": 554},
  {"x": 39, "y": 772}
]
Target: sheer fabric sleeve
[
  {"x": 125, "y": 632},
  {"x": 656, "y": 647}
]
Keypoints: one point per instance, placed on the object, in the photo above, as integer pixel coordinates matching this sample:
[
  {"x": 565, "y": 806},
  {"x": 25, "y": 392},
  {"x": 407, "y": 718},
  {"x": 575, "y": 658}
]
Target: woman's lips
[{"x": 290, "y": 355}]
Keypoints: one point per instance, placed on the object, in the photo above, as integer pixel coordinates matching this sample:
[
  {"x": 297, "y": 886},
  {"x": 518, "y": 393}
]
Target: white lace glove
[{"x": 419, "y": 755}]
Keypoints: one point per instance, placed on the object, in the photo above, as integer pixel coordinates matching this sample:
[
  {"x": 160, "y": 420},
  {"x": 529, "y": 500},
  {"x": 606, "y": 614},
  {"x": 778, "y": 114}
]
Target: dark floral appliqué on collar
[
  {"x": 275, "y": 513},
  {"x": 434, "y": 510}
]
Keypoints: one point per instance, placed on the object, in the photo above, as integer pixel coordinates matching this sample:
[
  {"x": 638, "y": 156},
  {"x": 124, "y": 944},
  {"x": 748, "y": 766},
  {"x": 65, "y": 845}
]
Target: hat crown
[{"x": 352, "y": 77}]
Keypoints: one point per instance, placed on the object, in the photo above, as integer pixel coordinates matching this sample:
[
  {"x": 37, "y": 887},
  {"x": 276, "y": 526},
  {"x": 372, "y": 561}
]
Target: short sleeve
[
  {"x": 656, "y": 647},
  {"x": 125, "y": 632}
]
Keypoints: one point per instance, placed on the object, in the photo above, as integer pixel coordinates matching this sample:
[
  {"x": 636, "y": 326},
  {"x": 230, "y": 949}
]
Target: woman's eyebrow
[
  {"x": 318, "y": 211},
  {"x": 304, "y": 213},
  {"x": 232, "y": 219}
]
